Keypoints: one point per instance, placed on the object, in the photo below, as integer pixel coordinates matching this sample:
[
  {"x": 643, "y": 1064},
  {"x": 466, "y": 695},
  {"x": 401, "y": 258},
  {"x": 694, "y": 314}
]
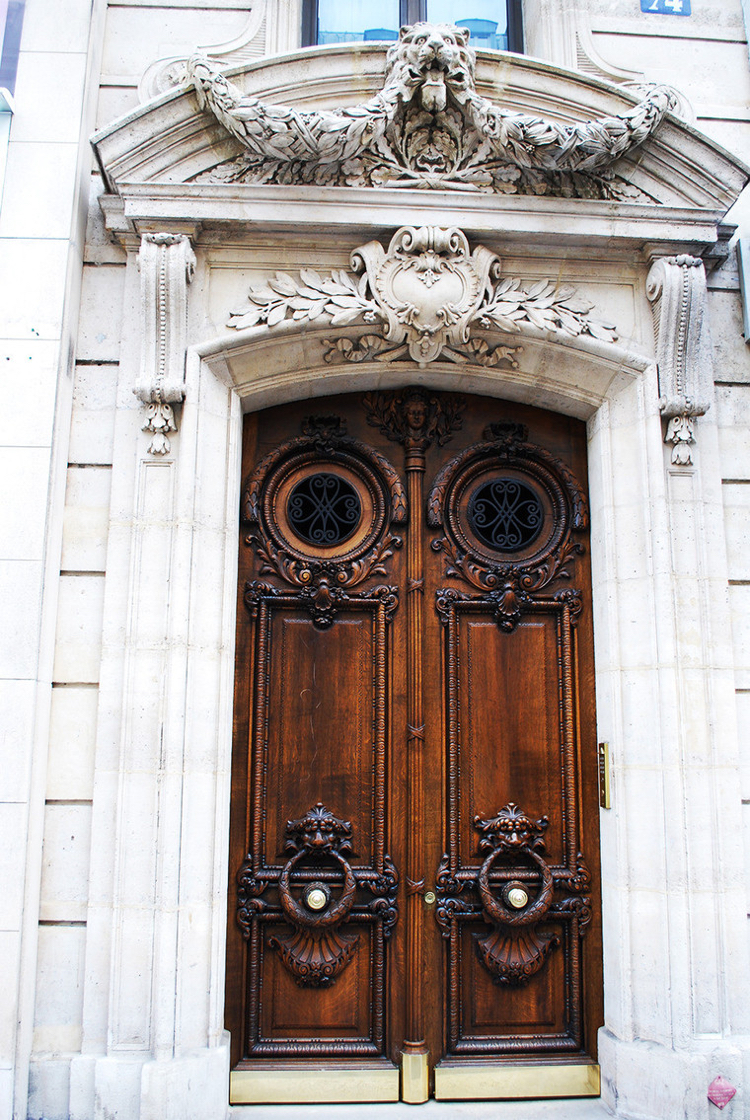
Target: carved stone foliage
[
  {"x": 167, "y": 265},
  {"x": 429, "y": 290},
  {"x": 676, "y": 287},
  {"x": 319, "y": 544},
  {"x": 428, "y": 127},
  {"x": 518, "y": 911},
  {"x": 317, "y": 949},
  {"x": 508, "y": 510}
]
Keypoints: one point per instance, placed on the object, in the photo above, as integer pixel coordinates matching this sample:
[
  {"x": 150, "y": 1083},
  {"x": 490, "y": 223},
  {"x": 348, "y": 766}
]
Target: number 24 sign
[{"x": 667, "y": 7}]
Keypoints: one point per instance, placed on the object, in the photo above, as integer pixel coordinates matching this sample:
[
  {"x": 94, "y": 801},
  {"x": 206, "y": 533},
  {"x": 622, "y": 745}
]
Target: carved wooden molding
[
  {"x": 509, "y": 577},
  {"x": 511, "y": 844},
  {"x": 676, "y": 287},
  {"x": 429, "y": 290},
  {"x": 322, "y": 573},
  {"x": 167, "y": 265},
  {"x": 428, "y": 127}
]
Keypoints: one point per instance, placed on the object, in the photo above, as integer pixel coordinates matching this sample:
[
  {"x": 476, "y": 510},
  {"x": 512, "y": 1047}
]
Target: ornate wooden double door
[{"x": 414, "y": 883}]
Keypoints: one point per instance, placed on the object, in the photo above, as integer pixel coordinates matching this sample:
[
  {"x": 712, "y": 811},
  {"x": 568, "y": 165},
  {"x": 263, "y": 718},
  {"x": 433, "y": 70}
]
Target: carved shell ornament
[
  {"x": 427, "y": 292},
  {"x": 428, "y": 127}
]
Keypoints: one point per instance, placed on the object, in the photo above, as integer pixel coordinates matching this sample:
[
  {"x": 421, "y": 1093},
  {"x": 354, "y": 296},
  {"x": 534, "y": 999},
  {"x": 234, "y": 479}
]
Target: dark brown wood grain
[{"x": 413, "y": 688}]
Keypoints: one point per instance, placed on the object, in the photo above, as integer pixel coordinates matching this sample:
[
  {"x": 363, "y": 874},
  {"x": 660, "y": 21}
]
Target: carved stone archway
[{"x": 664, "y": 690}]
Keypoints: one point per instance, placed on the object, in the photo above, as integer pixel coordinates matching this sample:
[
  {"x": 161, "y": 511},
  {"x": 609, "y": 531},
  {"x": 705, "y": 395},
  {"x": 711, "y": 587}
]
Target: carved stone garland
[
  {"x": 430, "y": 291},
  {"x": 429, "y": 128},
  {"x": 676, "y": 287},
  {"x": 167, "y": 265}
]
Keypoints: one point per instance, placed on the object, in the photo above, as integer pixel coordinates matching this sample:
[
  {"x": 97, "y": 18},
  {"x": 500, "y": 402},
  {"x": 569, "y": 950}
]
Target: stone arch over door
[{"x": 170, "y": 683}]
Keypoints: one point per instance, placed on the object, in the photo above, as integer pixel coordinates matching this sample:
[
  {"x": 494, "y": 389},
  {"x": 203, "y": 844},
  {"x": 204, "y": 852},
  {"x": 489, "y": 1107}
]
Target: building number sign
[{"x": 667, "y": 7}]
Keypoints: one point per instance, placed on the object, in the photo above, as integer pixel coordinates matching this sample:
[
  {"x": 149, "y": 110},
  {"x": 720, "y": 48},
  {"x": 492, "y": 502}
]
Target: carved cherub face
[
  {"x": 433, "y": 59},
  {"x": 415, "y": 414}
]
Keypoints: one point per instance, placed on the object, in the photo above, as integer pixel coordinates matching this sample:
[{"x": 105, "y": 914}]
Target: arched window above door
[{"x": 494, "y": 24}]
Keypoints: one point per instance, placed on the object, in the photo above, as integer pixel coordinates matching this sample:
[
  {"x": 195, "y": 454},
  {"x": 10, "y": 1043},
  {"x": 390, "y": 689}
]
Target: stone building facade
[{"x": 132, "y": 347}]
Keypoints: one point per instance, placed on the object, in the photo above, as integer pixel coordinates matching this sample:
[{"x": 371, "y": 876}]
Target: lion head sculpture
[{"x": 432, "y": 60}]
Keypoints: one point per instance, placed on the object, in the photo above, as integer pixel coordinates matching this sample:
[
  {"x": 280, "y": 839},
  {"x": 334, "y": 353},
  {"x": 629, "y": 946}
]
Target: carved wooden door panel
[{"x": 413, "y": 899}]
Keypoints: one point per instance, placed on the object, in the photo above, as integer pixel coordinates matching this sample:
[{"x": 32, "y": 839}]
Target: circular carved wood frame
[
  {"x": 506, "y": 454},
  {"x": 324, "y": 447}
]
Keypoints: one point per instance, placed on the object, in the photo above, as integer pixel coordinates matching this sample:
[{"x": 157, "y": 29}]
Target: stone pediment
[{"x": 200, "y": 141}]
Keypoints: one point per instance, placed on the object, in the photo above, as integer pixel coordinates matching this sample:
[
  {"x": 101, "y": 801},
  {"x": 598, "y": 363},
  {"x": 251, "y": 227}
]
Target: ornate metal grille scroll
[
  {"x": 506, "y": 514},
  {"x": 324, "y": 509}
]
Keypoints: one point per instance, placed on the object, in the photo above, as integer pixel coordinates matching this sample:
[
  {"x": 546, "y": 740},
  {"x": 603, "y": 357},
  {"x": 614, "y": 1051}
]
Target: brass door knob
[
  {"x": 516, "y": 896},
  {"x": 316, "y": 898}
]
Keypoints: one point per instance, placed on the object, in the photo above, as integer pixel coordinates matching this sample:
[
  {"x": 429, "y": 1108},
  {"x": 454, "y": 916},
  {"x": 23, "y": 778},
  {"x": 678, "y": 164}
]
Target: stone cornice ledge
[{"x": 142, "y": 207}]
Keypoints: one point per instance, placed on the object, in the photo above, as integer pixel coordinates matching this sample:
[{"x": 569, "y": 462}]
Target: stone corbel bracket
[
  {"x": 676, "y": 287},
  {"x": 167, "y": 265}
]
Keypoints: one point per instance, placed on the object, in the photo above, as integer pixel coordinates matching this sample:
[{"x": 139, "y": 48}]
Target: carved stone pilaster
[
  {"x": 676, "y": 287},
  {"x": 167, "y": 265}
]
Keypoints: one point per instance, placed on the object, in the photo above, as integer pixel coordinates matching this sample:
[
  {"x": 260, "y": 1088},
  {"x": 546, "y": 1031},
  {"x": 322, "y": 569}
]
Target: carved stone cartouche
[
  {"x": 428, "y": 127},
  {"x": 428, "y": 292}
]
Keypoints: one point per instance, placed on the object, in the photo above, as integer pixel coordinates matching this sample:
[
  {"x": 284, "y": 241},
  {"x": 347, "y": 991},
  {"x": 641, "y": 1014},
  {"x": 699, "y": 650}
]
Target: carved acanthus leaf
[
  {"x": 427, "y": 292},
  {"x": 427, "y": 127}
]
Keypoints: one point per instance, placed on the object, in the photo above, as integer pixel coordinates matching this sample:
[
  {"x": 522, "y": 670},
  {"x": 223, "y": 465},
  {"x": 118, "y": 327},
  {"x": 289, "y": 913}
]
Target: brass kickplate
[
  {"x": 313, "y": 1085},
  {"x": 480, "y": 1081}
]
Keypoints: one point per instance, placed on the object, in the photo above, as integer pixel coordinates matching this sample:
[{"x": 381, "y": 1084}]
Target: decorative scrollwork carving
[
  {"x": 385, "y": 886},
  {"x": 250, "y": 885},
  {"x": 282, "y": 538},
  {"x": 415, "y": 417},
  {"x": 317, "y": 949},
  {"x": 512, "y": 568},
  {"x": 514, "y": 950},
  {"x": 428, "y": 291},
  {"x": 579, "y": 907}
]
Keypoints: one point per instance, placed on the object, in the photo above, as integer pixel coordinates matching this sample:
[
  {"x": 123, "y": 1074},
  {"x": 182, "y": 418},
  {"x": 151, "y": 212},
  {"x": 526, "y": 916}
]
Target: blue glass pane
[
  {"x": 351, "y": 21},
  {"x": 487, "y": 20},
  {"x": 11, "y": 23}
]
